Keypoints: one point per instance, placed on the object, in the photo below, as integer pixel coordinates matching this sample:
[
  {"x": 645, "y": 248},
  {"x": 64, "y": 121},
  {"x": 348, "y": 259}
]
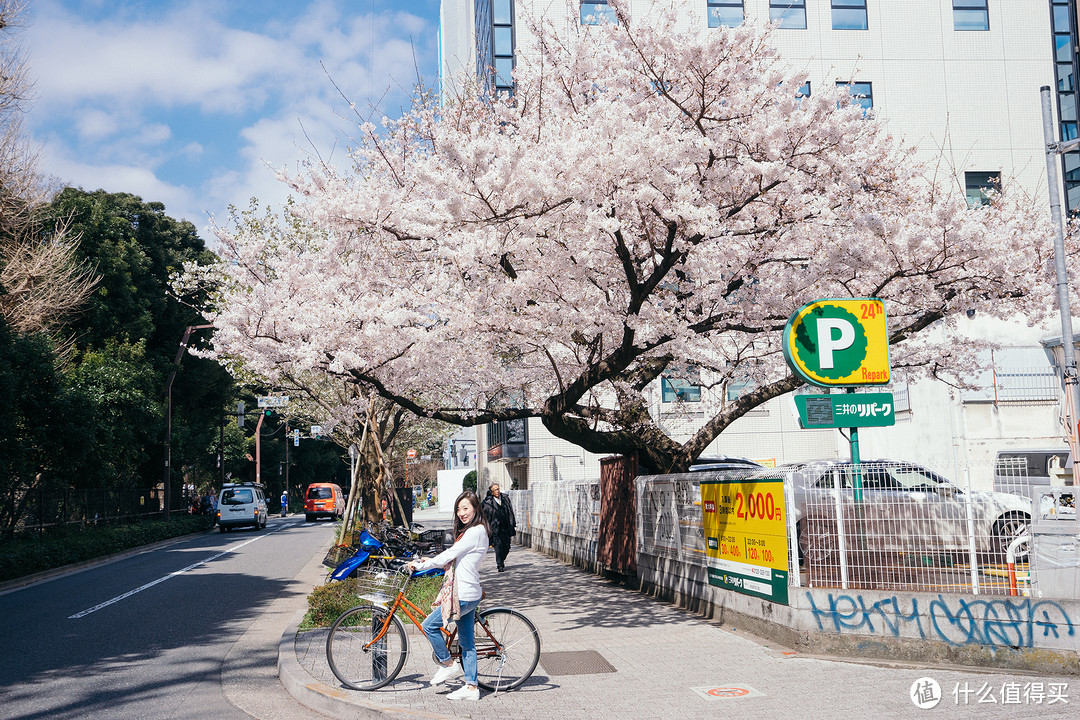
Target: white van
[
  {"x": 1017, "y": 470},
  {"x": 242, "y": 505}
]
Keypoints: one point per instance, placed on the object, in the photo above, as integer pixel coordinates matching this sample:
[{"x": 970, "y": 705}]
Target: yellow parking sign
[{"x": 839, "y": 342}]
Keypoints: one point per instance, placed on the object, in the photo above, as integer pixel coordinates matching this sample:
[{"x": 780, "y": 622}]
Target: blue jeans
[{"x": 466, "y": 628}]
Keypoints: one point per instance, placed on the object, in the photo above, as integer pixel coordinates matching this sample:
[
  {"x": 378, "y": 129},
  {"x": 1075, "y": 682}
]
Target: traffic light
[{"x": 269, "y": 413}]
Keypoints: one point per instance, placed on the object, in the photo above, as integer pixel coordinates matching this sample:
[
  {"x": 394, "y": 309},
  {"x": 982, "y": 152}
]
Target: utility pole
[
  {"x": 1070, "y": 378},
  {"x": 168, "y": 416}
]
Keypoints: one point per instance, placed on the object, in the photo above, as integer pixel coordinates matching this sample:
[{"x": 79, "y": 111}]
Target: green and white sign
[{"x": 846, "y": 411}]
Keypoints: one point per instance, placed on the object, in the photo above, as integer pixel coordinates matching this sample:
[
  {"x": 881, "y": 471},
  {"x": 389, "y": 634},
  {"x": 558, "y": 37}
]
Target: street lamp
[{"x": 168, "y": 415}]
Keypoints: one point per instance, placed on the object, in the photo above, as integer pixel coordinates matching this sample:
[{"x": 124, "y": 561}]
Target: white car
[
  {"x": 242, "y": 505},
  {"x": 904, "y": 507}
]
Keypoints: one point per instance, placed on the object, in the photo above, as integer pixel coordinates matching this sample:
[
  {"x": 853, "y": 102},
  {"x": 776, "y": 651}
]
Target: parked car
[
  {"x": 709, "y": 463},
  {"x": 905, "y": 507},
  {"x": 241, "y": 505},
  {"x": 323, "y": 500},
  {"x": 1018, "y": 469}
]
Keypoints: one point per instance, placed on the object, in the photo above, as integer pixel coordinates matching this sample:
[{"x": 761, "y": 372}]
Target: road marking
[
  {"x": 151, "y": 584},
  {"x": 728, "y": 691}
]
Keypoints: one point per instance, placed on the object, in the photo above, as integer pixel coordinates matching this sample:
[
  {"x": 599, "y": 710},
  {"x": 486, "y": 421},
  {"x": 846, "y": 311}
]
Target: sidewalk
[{"x": 608, "y": 652}]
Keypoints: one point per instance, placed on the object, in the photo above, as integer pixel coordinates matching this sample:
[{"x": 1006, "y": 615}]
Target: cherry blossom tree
[{"x": 650, "y": 198}]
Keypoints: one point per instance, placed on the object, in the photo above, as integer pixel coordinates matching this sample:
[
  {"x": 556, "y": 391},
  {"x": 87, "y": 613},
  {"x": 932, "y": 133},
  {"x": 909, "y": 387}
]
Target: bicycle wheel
[
  {"x": 357, "y": 661},
  {"x": 507, "y": 649}
]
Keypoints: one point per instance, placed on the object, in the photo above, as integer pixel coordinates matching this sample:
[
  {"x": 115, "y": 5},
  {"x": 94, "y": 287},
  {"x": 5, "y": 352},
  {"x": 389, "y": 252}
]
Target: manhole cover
[{"x": 575, "y": 662}]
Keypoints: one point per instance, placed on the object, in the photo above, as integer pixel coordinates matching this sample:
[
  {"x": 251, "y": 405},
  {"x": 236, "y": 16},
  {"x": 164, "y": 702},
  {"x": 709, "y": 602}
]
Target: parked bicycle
[
  {"x": 367, "y": 645},
  {"x": 380, "y": 547}
]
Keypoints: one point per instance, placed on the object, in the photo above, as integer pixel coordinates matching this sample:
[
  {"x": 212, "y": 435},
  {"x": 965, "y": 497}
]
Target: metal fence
[
  {"x": 898, "y": 526},
  {"x": 569, "y": 507},
  {"x": 906, "y": 528},
  {"x": 50, "y": 509},
  {"x": 669, "y": 520}
]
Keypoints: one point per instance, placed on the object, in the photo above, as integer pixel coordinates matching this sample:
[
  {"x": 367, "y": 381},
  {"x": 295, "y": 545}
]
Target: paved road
[{"x": 188, "y": 630}]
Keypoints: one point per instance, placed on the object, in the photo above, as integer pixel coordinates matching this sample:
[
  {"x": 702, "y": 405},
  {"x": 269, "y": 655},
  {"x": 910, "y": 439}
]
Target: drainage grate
[{"x": 575, "y": 662}]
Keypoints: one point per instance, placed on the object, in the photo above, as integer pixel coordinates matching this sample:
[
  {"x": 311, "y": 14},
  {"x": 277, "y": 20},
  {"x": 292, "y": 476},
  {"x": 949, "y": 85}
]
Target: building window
[
  {"x": 507, "y": 440},
  {"x": 979, "y": 185},
  {"x": 502, "y": 43},
  {"x": 790, "y": 14},
  {"x": 681, "y": 384},
  {"x": 725, "y": 13},
  {"x": 971, "y": 14},
  {"x": 596, "y": 12},
  {"x": 804, "y": 90},
  {"x": 862, "y": 94},
  {"x": 1017, "y": 375},
  {"x": 495, "y": 46},
  {"x": 849, "y": 15},
  {"x": 676, "y": 389}
]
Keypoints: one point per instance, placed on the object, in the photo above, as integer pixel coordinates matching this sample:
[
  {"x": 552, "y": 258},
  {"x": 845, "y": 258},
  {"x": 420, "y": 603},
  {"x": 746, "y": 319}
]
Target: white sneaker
[
  {"x": 445, "y": 673},
  {"x": 465, "y": 693}
]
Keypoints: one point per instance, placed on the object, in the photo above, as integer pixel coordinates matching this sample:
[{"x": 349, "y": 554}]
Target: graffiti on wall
[{"x": 1011, "y": 622}]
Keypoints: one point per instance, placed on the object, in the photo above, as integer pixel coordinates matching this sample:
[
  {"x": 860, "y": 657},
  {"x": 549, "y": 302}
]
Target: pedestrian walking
[
  {"x": 500, "y": 516},
  {"x": 284, "y": 502},
  {"x": 460, "y": 595}
]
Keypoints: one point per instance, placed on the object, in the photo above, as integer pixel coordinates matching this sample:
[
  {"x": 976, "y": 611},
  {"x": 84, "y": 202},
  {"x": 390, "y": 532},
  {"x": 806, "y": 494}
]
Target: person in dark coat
[{"x": 500, "y": 516}]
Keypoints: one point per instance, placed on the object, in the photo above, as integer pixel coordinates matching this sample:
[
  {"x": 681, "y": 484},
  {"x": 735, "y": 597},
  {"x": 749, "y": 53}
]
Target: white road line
[{"x": 129, "y": 593}]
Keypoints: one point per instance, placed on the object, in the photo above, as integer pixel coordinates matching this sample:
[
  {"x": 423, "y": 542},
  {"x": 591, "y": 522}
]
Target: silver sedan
[{"x": 904, "y": 507}]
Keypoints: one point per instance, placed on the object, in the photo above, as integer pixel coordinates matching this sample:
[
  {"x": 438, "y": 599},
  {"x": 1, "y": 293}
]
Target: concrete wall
[{"x": 1038, "y": 634}]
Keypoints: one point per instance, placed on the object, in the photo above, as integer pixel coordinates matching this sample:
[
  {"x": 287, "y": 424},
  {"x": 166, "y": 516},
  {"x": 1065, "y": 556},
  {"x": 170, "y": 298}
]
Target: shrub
[
  {"x": 328, "y": 601},
  {"x": 22, "y": 557}
]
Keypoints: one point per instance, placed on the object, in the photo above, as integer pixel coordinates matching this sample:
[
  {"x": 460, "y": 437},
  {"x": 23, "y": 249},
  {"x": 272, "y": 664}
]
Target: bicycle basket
[
  {"x": 436, "y": 538},
  {"x": 379, "y": 585},
  {"x": 337, "y": 555}
]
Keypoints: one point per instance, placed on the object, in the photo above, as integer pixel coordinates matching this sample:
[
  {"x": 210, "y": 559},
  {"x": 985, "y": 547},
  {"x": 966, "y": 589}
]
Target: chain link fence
[{"x": 906, "y": 527}]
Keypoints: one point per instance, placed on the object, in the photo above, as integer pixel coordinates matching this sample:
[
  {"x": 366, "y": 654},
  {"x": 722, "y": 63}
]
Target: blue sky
[{"x": 187, "y": 102}]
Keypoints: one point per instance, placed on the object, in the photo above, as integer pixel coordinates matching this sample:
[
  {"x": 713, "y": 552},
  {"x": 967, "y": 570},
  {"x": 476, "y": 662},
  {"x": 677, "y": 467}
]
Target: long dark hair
[{"x": 478, "y": 516}]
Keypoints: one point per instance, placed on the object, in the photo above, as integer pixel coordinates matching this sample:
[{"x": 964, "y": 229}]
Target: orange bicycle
[{"x": 367, "y": 645}]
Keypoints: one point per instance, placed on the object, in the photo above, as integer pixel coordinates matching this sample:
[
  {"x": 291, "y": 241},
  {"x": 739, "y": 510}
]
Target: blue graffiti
[{"x": 1013, "y": 622}]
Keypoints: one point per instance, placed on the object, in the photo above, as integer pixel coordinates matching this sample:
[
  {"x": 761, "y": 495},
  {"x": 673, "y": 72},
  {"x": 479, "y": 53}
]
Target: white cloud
[
  {"x": 127, "y": 104},
  {"x": 185, "y": 57},
  {"x": 152, "y": 134},
  {"x": 96, "y": 123},
  {"x": 137, "y": 180}
]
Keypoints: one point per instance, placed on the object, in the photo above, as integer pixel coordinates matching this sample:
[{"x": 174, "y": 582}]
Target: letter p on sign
[
  {"x": 839, "y": 342},
  {"x": 833, "y": 334}
]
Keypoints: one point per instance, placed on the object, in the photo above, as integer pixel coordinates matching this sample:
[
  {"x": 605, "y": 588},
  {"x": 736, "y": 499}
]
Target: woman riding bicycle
[{"x": 459, "y": 596}]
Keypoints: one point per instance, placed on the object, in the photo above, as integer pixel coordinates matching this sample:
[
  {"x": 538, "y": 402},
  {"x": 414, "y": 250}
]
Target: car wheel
[
  {"x": 221, "y": 528},
  {"x": 307, "y": 517},
  {"x": 1006, "y": 529}
]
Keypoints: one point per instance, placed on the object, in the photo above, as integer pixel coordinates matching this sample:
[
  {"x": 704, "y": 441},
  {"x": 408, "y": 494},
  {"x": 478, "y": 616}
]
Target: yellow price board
[{"x": 746, "y": 536}]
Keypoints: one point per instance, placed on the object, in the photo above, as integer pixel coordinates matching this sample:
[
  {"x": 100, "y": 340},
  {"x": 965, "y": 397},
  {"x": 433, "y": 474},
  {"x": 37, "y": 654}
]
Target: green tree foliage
[
  {"x": 29, "y": 388},
  {"x": 114, "y": 393},
  {"x": 129, "y": 332}
]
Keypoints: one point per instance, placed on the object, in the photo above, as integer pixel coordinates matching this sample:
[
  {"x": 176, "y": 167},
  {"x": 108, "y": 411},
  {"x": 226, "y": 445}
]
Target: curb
[{"x": 320, "y": 697}]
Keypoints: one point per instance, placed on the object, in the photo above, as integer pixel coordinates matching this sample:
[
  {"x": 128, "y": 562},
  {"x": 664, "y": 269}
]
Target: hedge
[
  {"x": 23, "y": 557},
  {"x": 328, "y": 601}
]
